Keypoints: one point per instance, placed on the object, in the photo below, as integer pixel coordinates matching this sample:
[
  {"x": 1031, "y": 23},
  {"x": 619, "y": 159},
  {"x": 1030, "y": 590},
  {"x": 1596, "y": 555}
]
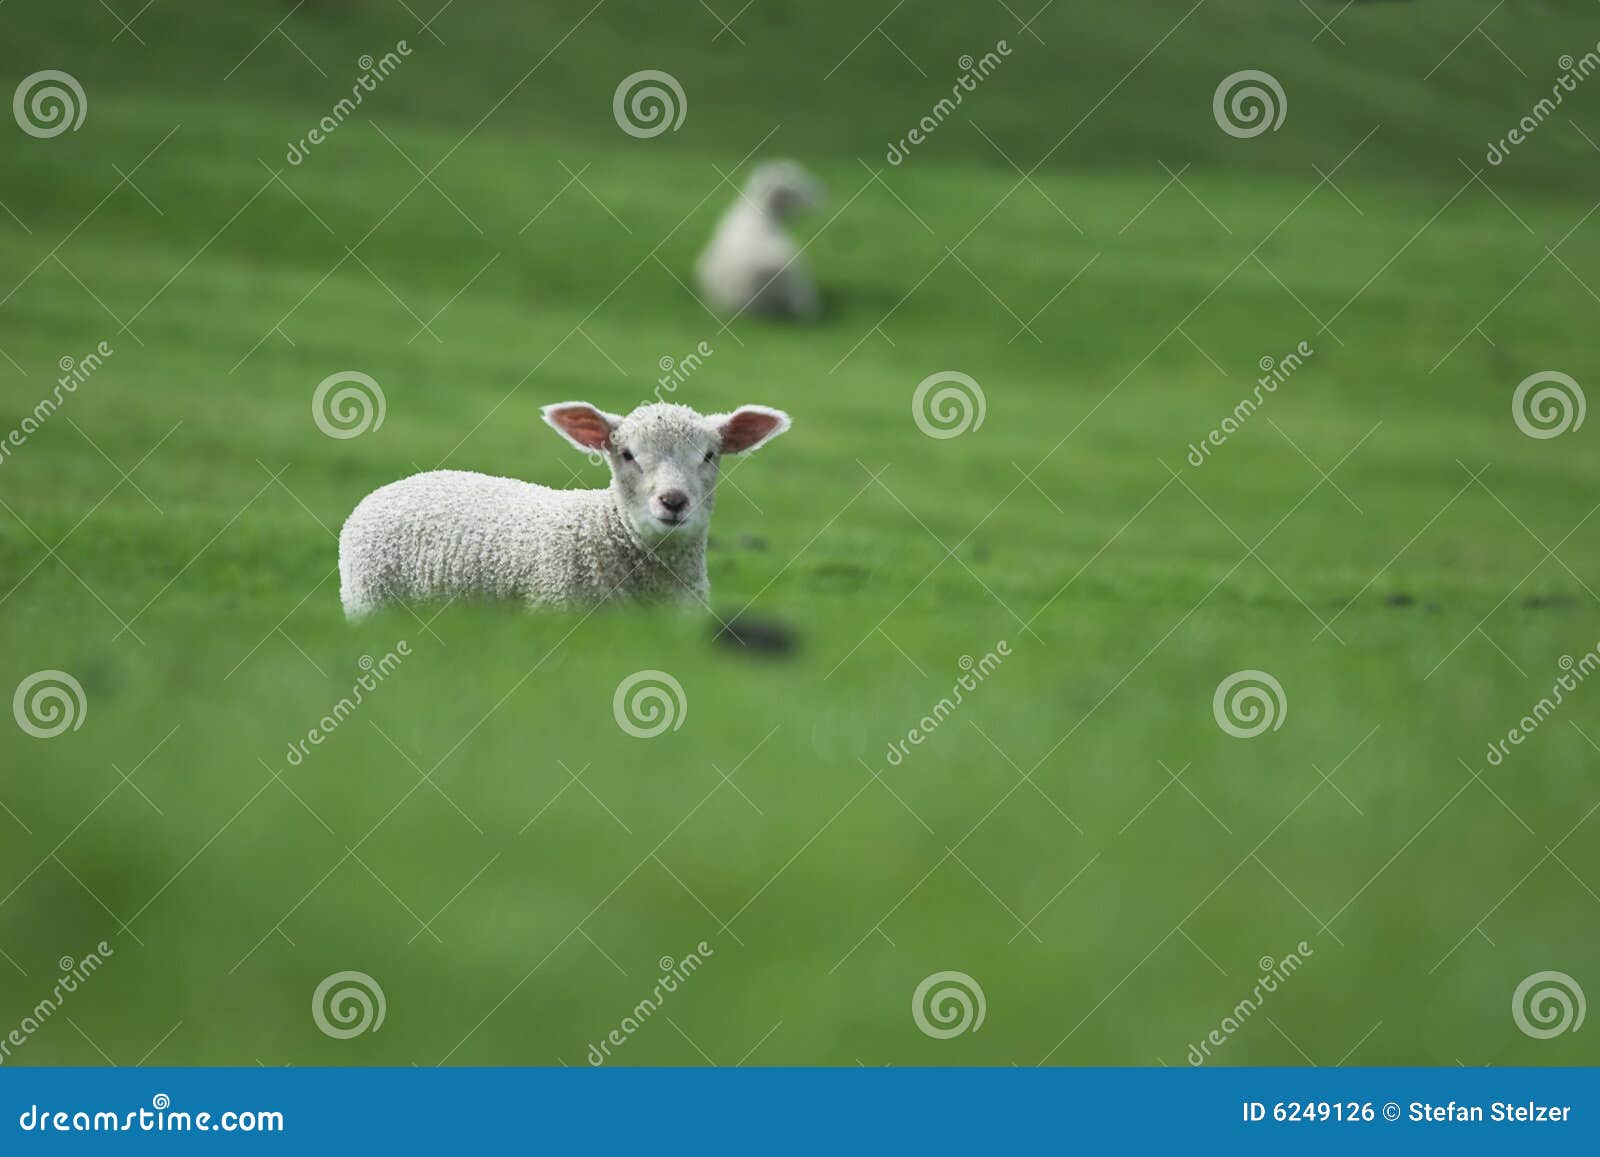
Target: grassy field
[{"x": 1080, "y": 836}]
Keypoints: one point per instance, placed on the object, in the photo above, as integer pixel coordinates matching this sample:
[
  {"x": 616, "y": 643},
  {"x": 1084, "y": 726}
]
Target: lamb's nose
[{"x": 675, "y": 501}]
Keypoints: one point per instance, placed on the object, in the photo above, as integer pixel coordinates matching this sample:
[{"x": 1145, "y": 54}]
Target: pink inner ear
[
  {"x": 746, "y": 428},
  {"x": 584, "y": 425}
]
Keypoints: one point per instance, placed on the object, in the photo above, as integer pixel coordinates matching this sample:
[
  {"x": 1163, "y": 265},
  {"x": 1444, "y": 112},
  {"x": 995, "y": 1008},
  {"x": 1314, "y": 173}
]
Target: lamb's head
[
  {"x": 665, "y": 458},
  {"x": 783, "y": 189}
]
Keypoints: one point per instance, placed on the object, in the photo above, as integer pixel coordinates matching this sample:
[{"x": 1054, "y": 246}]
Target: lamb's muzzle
[{"x": 446, "y": 535}]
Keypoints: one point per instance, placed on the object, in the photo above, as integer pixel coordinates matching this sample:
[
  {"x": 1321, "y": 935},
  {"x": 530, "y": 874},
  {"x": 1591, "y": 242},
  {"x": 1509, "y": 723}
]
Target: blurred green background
[{"x": 1082, "y": 239}]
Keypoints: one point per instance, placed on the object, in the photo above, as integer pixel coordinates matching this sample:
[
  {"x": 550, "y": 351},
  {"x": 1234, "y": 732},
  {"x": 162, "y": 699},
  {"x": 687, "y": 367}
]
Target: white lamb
[
  {"x": 752, "y": 264},
  {"x": 450, "y": 534}
]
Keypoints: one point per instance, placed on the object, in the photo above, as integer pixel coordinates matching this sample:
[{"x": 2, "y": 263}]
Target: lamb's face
[
  {"x": 784, "y": 189},
  {"x": 665, "y": 458},
  {"x": 664, "y": 470}
]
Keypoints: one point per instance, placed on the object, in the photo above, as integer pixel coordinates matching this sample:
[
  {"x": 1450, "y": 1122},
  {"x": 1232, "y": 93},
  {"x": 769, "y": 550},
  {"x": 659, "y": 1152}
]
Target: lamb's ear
[
  {"x": 583, "y": 425},
  {"x": 749, "y": 427}
]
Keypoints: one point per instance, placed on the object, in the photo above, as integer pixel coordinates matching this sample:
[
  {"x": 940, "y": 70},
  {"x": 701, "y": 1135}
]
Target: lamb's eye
[
  {"x": 627, "y": 455},
  {"x": 711, "y": 455}
]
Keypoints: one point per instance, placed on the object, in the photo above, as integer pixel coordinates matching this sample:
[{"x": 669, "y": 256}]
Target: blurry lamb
[{"x": 752, "y": 264}]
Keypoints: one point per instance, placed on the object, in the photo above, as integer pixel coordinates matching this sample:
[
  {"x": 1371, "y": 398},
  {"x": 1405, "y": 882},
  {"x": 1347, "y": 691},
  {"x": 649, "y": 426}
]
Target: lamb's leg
[{"x": 787, "y": 292}]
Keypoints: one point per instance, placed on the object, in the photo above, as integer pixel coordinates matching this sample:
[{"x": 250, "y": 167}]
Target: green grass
[{"x": 827, "y": 881}]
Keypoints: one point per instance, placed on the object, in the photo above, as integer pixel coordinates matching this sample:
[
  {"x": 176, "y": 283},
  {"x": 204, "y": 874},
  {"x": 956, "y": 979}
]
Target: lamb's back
[{"x": 451, "y": 534}]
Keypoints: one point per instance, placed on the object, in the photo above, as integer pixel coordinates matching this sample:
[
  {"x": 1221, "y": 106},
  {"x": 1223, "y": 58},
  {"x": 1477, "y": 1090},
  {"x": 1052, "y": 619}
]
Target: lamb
[
  {"x": 453, "y": 534},
  {"x": 752, "y": 264}
]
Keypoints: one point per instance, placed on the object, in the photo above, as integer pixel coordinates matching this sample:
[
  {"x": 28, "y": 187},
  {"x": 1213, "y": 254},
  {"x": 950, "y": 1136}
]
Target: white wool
[{"x": 752, "y": 264}]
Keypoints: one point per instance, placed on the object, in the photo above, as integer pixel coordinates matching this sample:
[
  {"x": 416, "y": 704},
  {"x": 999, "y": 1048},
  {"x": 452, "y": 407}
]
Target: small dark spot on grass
[
  {"x": 1399, "y": 599},
  {"x": 752, "y": 542},
  {"x": 838, "y": 577},
  {"x": 753, "y": 634},
  {"x": 1547, "y": 602}
]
